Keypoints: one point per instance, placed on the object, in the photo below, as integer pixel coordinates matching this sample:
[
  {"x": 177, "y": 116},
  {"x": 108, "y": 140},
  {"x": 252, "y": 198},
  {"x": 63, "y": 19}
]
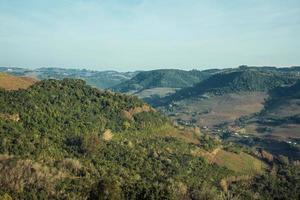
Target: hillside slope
[{"x": 9, "y": 82}]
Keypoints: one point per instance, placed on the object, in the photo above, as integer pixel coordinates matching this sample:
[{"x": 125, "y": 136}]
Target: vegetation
[{"x": 282, "y": 182}]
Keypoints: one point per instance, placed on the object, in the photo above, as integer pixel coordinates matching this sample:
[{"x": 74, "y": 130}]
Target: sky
[{"x": 128, "y": 35}]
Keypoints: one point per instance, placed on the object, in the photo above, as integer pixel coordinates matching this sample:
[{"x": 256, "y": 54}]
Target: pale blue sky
[{"x": 145, "y": 34}]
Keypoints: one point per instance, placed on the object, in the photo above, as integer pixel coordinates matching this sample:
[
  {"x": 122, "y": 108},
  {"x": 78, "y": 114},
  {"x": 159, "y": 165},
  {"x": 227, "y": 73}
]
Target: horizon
[
  {"x": 152, "y": 69},
  {"x": 133, "y": 35}
]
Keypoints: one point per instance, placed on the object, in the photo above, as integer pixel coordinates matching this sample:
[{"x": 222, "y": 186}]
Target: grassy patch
[{"x": 242, "y": 163}]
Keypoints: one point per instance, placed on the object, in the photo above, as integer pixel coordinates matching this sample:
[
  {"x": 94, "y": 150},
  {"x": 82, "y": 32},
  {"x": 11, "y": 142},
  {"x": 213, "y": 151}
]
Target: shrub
[
  {"x": 106, "y": 189},
  {"x": 90, "y": 143}
]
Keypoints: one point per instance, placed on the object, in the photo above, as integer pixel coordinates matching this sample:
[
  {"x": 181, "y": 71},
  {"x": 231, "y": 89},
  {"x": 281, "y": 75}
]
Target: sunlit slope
[{"x": 9, "y": 82}]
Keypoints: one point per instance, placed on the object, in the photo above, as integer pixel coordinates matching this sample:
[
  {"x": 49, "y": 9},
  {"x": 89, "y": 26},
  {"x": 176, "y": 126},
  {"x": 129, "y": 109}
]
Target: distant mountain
[
  {"x": 236, "y": 80},
  {"x": 9, "y": 82},
  {"x": 100, "y": 79},
  {"x": 164, "y": 78}
]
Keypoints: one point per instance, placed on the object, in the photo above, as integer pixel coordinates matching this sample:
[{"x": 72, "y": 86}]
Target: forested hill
[
  {"x": 237, "y": 80},
  {"x": 171, "y": 78},
  {"x": 72, "y": 106}
]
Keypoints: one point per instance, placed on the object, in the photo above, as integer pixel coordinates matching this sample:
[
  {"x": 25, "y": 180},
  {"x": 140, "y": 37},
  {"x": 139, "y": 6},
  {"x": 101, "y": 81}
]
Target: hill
[
  {"x": 231, "y": 81},
  {"x": 76, "y": 105},
  {"x": 100, "y": 79},
  {"x": 9, "y": 82},
  {"x": 164, "y": 78}
]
